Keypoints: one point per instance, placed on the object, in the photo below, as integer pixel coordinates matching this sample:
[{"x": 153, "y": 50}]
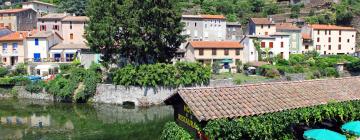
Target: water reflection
[{"x": 31, "y": 119}]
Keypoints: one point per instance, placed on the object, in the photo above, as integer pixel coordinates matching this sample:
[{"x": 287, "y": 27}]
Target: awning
[{"x": 226, "y": 61}]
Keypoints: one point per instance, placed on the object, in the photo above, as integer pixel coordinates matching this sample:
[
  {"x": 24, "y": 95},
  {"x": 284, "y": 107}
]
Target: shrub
[
  {"x": 354, "y": 66},
  {"x": 35, "y": 87},
  {"x": 21, "y": 80},
  {"x": 329, "y": 72},
  {"x": 6, "y": 81},
  {"x": 20, "y": 69},
  {"x": 272, "y": 73},
  {"x": 216, "y": 67},
  {"x": 64, "y": 68},
  {"x": 174, "y": 132},
  {"x": 3, "y": 71},
  {"x": 90, "y": 82},
  {"x": 296, "y": 59}
]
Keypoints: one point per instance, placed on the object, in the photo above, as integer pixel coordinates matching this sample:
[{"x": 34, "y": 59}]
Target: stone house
[
  {"x": 73, "y": 28},
  {"x": 18, "y": 19},
  {"x": 13, "y": 48},
  {"x": 261, "y": 26},
  {"x": 38, "y": 45},
  {"x": 233, "y": 31},
  {"x": 51, "y": 22},
  {"x": 40, "y": 7}
]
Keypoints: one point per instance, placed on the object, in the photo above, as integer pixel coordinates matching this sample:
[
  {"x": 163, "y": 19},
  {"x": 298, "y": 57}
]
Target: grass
[{"x": 241, "y": 78}]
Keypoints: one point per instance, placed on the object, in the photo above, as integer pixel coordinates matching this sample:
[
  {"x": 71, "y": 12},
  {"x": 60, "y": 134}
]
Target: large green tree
[
  {"x": 76, "y": 7},
  {"x": 135, "y": 31}
]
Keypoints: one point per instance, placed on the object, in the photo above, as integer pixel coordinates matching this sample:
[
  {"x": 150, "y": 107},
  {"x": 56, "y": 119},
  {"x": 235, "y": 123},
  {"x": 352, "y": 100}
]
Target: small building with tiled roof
[
  {"x": 13, "y": 48},
  {"x": 51, "y": 22},
  {"x": 295, "y": 35},
  {"x": 234, "y": 31},
  {"x": 332, "y": 39},
  {"x": 194, "y": 107},
  {"x": 226, "y": 53},
  {"x": 261, "y": 26},
  {"x": 18, "y": 19},
  {"x": 40, "y": 7}
]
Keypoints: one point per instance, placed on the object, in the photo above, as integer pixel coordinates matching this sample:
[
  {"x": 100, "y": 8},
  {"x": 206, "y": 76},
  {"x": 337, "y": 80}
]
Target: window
[
  {"x": 71, "y": 36},
  {"x": 37, "y": 57},
  {"x": 195, "y": 33},
  {"x": 201, "y": 51},
  {"x": 329, "y": 40},
  {"x": 282, "y": 44},
  {"x": 318, "y": 39},
  {"x": 15, "y": 47},
  {"x": 318, "y": 47},
  {"x": 348, "y": 40},
  {"x": 237, "y": 51},
  {"x": 318, "y": 32},
  {"x": 339, "y": 47},
  {"x": 43, "y": 28},
  {"x": 262, "y": 26},
  {"x": 269, "y": 26},
  {"x": 339, "y": 32},
  {"x": 213, "y": 51},
  {"x": 56, "y": 27},
  {"x": 282, "y": 55},
  {"x": 325, "y": 32},
  {"x": 306, "y": 47},
  {"x": 70, "y": 25},
  {"x": 329, "y": 47},
  {"x": 339, "y": 39},
  {"x": 262, "y": 44},
  {"x": 266, "y": 33},
  {"x": 329, "y": 32},
  {"x": 271, "y": 44},
  {"x": 4, "y": 59},
  {"x": 195, "y": 24},
  {"x": 4, "y": 48},
  {"x": 226, "y": 51},
  {"x": 36, "y": 42},
  {"x": 69, "y": 57}
]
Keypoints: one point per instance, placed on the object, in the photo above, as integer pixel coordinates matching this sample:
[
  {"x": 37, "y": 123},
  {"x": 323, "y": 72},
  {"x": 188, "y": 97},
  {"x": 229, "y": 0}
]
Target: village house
[
  {"x": 51, "y": 22},
  {"x": 294, "y": 33},
  {"x": 73, "y": 28},
  {"x": 13, "y": 48},
  {"x": 261, "y": 26},
  {"x": 271, "y": 46},
  {"x": 233, "y": 31},
  {"x": 38, "y": 46},
  {"x": 226, "y": 53},
  {"x": 307, "y": 43},
  {"x": 18, "y": 19},
  {"x": 42, "y": 8},
  {"x": 332, "y": 39}
]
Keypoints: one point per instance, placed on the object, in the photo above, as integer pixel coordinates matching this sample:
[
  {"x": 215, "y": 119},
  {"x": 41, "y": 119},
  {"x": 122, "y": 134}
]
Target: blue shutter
[
  {"x": 36, "y": 42},
  {"x": 37, "y": 57}
]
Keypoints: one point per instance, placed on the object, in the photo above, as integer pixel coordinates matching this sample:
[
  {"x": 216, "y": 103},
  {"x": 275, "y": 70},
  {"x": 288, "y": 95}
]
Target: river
[{"x": 42, "y": 120}]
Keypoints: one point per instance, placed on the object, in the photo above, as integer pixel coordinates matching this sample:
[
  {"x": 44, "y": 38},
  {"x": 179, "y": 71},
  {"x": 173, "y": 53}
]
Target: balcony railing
[{"x": 44, "y": 60}]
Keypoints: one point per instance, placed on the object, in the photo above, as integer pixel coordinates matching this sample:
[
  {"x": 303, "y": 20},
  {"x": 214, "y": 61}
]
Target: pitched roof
[
  {"x": 53, "y": 16},
  {"x": 76, "y": 18},
  {"x": 216, "y": 44},
  {"x": 43, "y": 34},
  {"x": 261, "y": 21},
  {"x": 306, "y": 36},
  {"x": 11, "y": 11},
  {"x": 40, "y": 2},
  {"x": 256, "y": 99},
  {"x": 330, "y": 27},
  {"x": 15, "y": 36},
  {"x": 62, "y": 46},
  {"x": 286, "y": 26},
  {"x": 204, "y": 16},
  {"x": 233, "y": 24}
]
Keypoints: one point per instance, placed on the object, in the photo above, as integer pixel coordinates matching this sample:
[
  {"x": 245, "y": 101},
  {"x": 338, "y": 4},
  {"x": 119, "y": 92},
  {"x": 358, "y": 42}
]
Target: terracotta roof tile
[
  {"x": 39, "y": 2},
  {"x": 287, "y": 26},
  {"x": 306, "y": 36},
  {"x": 263, "y": 21},
  {"x": 256, "y": 99},
  {"x": 205, "y": 16},
  {"x": 330, "y": 27},
  {"x": 76, "y": 18},
  {"x": 15, "y": 36},
  {"x": 10, "y": 11},
  {"x": 216, "y": 44}
]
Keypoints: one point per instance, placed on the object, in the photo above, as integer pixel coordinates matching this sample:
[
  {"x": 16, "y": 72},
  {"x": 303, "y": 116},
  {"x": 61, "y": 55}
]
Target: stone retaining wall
[{"x": 23, "y": 94}]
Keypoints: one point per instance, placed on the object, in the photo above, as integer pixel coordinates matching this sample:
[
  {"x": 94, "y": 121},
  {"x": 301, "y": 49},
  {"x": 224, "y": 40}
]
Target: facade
[
  {"x": 73, "y": 28},
  {"x": 233, "y": 31},
  {"x": 66, "y": 52},
  {"x": 271, "y": 46},
  {"x": 294, "y": 33},
  {"x": 18, "y": 19},
  {"x": 39, "y": 44},
  {"x": 261, "y": 26},
  {"x": 41, "y": 8},
  {"x": 227, "y": 53},
  {"x": 13, "y": 48},
  {"x": 332, "y": 39},
  {"x": 307, "y": 43},
  {"x": 51, "y": 22}
]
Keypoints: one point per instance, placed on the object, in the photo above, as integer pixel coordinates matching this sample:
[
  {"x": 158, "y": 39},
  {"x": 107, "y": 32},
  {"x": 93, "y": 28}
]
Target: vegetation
[
  {"x": 76, "y": 7},
  {"x": 240, "y": 78},
  {"x": 35, "y": 87},
  {"x": 174, "y": 132},
  {"x": 150, "y": 31},
  {"x": 168, "y": 75},
  {"x": 282, "y": 125}
]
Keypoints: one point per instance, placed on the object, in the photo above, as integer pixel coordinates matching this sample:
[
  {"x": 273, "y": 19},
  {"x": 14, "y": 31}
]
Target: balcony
[{"x": 49, "y": 60}]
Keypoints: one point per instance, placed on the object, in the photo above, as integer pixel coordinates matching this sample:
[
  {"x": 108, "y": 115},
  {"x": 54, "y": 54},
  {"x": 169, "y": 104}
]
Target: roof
[
  {"x": 330, "y": 27},
  {"x": 11, "y": 11},
  {"x": 233, "y": 24},
  {"x": 216, "y": 44},
  {"x": 306, "y": 36},
  {"x": 72, "y": 46},
  {"x": 205, "y": 16},
  {"x": 39, "y": 2},
  {"x": 256, "y": 99},
  {"x": 287, "y": 26},
  {"x": 53, "y": 16},
  {"x": 15, "y": 36},
  {"x": 43, "y": 34},
  {"x": 261, "y": 21},
  {"x": 76, "y": 18}
]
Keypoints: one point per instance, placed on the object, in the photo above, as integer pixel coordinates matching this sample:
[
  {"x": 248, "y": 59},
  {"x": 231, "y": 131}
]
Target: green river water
[{"x": 41, "y": 120}]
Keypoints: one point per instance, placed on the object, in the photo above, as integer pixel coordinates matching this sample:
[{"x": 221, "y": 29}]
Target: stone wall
[{"x": 23, "y": 94}]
